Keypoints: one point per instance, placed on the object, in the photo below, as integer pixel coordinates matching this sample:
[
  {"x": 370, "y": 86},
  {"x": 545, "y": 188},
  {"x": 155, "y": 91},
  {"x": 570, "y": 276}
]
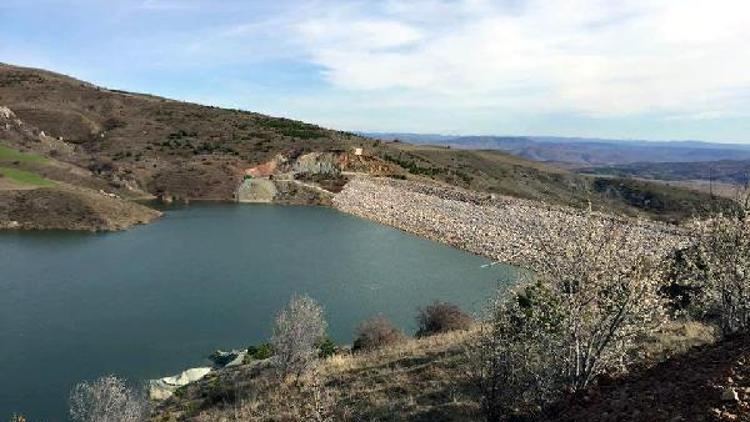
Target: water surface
[{"x": 156, "y": 299}]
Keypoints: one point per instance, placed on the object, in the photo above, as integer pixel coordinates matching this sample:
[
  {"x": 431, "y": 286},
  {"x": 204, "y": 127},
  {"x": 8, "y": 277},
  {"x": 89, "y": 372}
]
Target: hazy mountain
[
  {"x": 585, "y": 151},
  {"x": 728, "y": 171}
]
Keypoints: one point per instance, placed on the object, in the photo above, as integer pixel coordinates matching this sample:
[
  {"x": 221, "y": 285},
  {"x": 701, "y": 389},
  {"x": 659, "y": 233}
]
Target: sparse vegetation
[
  {"x": 716, "y": 270},
  {"x": 263, "y": 351},
  {"x": 595, "y": 291},
  {"x": 9, "y": 154},
  {"x": 107, "y": 399},
  {"x": 293, "y": 128},
  {"x": 298, "y": 330},
  {"x": 441, "y": 317},
  {"x": 376, "y": 333}
]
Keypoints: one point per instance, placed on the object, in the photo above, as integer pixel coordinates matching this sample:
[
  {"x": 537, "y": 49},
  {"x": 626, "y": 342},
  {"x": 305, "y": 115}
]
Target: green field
[
  {"x": 25, "y": 177},
  {"x": 10, "y": 154}
]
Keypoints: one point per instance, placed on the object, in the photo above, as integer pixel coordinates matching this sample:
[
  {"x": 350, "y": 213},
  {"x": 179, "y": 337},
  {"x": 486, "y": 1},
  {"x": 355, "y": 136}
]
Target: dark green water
[{"x": 157, "y": 299}]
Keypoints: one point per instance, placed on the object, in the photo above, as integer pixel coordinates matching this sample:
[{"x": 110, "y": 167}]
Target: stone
[
  {"x": 730, "y": 394},
  {"x": 164, "y": 388},
  {"x": 228, "y": 359}
]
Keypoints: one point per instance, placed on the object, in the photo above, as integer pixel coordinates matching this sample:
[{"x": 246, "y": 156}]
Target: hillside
[
  {"x": 727, "y": 171},
  {"x": 429, "y": 379},
  {"x": 41, "y": 192},
  {"x": 505, "y": 174},
  {"x": 576, "y": 152},
  {"x": 154, "y": 146}
]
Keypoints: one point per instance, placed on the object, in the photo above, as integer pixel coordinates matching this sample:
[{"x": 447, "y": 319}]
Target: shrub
[
  {"x": 326, "y": 348},
  {"x": 595, "y": 290},
  {"x": 441, "y": 317},
  {"x": 510, "y": 359},
  {"x": 107, "y": 399},
  {"x": 716, "y": 270},
  {"x": 376, "y": 333},
  {"x": 263, "y": 351},
  {"x": 298, "y": 330}
]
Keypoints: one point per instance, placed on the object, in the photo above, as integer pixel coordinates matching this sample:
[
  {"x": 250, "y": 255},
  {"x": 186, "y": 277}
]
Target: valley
[
  {"x": 79, "y": 157},
  {"x": 141, "y": 146}
]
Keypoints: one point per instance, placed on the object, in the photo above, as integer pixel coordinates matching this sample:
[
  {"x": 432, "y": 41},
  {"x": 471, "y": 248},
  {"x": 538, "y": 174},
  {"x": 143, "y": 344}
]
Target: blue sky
[{"x": 640, "y": 69}]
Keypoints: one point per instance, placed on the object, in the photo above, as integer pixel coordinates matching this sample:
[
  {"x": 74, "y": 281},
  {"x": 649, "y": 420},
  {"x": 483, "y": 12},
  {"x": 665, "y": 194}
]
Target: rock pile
[{"x": 501, "y": 228}]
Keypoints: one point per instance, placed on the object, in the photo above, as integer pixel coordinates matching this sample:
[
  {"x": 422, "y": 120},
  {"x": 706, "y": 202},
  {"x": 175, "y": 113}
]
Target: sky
[{"x": 632, "y": 69}]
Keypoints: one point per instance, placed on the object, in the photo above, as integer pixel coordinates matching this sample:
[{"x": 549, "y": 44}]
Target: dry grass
[
  {"x": 418, "y": 380},
  {"x": 676, "y": 338},
  {"x": 414, "y": 380}
]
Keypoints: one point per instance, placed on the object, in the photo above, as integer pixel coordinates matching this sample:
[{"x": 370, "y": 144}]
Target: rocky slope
[
  {"x": 504, "y": 229},
  {"x": 428, "y": 379}
]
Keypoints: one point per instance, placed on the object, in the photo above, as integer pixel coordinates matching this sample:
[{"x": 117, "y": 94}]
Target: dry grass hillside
[
  {"x": 428, "y": 379},
  {"x": 420, "y": 380},
  {"x": 41, "y": 192},
  {"x": 168, "y": 147}
]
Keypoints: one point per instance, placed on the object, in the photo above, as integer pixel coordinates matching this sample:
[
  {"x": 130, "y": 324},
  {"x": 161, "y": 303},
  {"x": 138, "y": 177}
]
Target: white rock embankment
[{"x": 503, "y": 229}]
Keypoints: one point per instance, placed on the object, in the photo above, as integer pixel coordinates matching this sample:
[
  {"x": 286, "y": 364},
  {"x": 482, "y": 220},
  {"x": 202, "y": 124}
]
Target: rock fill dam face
[{"x": 504, "y": 229}]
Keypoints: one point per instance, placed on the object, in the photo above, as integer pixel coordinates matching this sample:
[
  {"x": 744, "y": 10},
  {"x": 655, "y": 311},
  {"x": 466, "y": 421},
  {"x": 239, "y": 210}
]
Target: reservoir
[{"x": 158, "y": 299}]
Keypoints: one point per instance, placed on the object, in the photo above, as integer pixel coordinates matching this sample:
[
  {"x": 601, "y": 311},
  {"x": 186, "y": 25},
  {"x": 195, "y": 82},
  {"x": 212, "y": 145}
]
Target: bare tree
[
  {"x": 297, "y": 331},
  {"x": 605, "y": 281},
  {"x": 107, "y": 399},
  {"x": 594, "y": 289}
]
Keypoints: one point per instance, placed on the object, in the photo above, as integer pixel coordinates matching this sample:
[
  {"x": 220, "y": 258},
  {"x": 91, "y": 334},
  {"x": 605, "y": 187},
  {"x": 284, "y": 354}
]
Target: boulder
[
  {"x": 228, "y": 359},
  {"x": 163, "y": 388},
  {"x": 730, "y": 394}
]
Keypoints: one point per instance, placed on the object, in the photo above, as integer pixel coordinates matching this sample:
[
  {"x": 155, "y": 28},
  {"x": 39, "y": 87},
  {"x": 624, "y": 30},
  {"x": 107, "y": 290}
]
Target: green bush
[
  {"x": 326, "y": 348},
  {"x": 260, "y": 352}
]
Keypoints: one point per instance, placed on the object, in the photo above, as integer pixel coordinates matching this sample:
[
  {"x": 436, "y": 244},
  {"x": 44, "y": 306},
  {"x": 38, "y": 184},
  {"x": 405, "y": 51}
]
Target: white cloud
[{"x": 596, "y": 57}]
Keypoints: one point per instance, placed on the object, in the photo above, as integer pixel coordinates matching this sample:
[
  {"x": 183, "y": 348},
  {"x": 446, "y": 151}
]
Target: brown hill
[
  {"x": 165, "y": 147},
  {"x": 41, "y": 192}
]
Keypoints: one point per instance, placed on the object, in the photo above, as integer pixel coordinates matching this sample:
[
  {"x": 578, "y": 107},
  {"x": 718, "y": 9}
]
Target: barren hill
[{"x": 138, "y": 142}]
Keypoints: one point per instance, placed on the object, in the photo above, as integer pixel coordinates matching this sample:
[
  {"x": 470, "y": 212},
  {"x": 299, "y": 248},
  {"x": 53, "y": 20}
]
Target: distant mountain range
[
  {"x": 584, "y": 152},
  {"x": 728, "y": 171}
]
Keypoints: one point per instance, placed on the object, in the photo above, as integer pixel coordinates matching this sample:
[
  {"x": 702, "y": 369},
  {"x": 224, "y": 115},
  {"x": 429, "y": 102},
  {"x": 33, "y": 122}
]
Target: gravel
[{"x": 503, "y": 229}]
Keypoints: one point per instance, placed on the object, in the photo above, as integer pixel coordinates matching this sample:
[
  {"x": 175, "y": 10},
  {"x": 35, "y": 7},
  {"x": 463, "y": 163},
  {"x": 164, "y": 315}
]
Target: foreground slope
[
  {"x": 708, "y": 383},
  {"x": 428, "y": 379}
]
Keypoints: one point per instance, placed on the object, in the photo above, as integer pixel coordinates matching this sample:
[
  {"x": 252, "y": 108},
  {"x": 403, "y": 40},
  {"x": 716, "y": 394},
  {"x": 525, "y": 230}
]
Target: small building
[{"x": 358, "y": 151}]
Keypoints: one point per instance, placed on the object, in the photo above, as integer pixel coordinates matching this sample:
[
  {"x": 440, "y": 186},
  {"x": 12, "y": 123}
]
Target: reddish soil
[{"x": 685, "y": 388}]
